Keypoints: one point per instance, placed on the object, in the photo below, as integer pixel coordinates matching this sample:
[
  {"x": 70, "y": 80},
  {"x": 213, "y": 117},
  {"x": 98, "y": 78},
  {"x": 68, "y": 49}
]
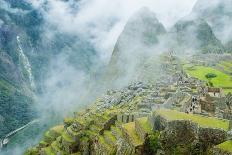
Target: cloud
[{"x": 101, "y": 21}]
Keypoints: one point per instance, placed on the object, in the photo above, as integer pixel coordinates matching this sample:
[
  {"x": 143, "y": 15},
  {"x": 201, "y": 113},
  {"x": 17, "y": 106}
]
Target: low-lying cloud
[{"x": 101, "y": 21}]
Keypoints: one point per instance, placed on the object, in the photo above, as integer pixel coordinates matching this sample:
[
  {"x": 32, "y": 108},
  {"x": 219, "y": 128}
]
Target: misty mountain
[
  {"x": 26, "y": 53},
  {"x": 140, "y": 34},
  {"x": 218, "y": 13},
  {"x": 15, "y": 90},
  {"x": 195, "y": 35}
]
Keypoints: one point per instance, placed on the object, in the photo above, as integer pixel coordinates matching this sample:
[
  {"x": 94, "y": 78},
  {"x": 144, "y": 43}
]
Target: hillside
[
  {"x": 165, "y": 91},
  {"x": 136, "y": 42},
  {"x": 218, "y": 14},
  {"x": 26, "y": 54},
  {"x": 197, "y": 35},
  {"x": 177, "y": 115}
]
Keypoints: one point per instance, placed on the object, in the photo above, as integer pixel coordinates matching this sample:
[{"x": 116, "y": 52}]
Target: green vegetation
[
  {"x": 221, "y": 80},
  {"x": 16, "y": 108},
  {"x": 130, "y": 130},
  {"x": 227, "y": 146},
  {"x": 32, "y": 151},
  {"x": 68, "y": 121},
  {"x": 143, "y": 122},
  {"x": 103, "y": 142},
  {"x": 48, "y": 151},
  {"x": 67, "y": 138},
  {"x": 210, "y": 76},
  {"x": 201, "y": 120},
  {"x": 152, "y": 143}
]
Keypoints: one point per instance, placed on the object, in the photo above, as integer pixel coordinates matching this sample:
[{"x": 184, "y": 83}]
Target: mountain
[
  {"x": 218, "y": 13},
  {"x": 26, "y": 53},
  {"x": 196, "y": 34},
  {"x": 140, "y": 34},
  {"x": 15, "y": 70}
]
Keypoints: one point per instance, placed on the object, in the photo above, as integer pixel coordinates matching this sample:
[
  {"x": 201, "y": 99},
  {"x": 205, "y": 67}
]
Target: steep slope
[
  {"x": 140, "y": 35},
  {"x": 15, "y": 71},
  {"x": 197, "y": 35},
  {"x": 218, "y": 13},
  {"x": 26, "y": 51}
]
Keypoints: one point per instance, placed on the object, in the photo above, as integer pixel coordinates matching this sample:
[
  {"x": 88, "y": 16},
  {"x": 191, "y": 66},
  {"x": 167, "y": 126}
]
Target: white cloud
[{"x": 101, "y": 21}]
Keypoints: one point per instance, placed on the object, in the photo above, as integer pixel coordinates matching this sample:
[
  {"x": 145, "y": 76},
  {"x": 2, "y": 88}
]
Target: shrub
[{"x": 210, "y": 75}]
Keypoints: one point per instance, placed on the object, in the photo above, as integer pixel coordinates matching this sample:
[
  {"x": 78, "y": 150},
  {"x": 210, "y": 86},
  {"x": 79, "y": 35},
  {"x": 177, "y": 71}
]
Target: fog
[
  {"x": 100, "y": 22},
  {"x": 68, "y": 88}
]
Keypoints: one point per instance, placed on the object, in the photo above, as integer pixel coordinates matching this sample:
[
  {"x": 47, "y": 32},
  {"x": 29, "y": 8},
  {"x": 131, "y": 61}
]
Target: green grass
[
  {"x": 201, "y": 120},
  {"x": 103, "y": 142},
  {"x": 117, "y": 130},
  {"x": 225, "y": 68},
  {"x": 226, "y": 63},
  {"x": 226, "y": 146},
  {"x": 130, "y": 130},
  {"x": 67, "y": 138},
  {"x": 48, "y": 151},
  {"x": 55, "y": 146},
  {"x": 110, "y": 136},
  {"x": 222, "y": 79},
  {"x": 143, "y": 122},
  {"x": 226, "y": 91}
]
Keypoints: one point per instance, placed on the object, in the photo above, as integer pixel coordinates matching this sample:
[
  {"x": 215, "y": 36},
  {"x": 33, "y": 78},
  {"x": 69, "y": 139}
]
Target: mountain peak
[{"x": 218, "y": 13}]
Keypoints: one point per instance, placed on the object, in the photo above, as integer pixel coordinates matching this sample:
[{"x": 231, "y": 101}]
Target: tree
[{"x": 210, "y": 76}]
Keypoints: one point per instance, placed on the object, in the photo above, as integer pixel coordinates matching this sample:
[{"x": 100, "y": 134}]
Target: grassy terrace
[
  {"x": 222, "y": 79},
  {"x": 48, "y": 151},
  {"x": 201, "y": 120},
  {"x": 67, "y": 138},
  {"x": 130, "y": 130},
  {"x": 227, "y": 146},
  {"x": 143, "y": 122}
]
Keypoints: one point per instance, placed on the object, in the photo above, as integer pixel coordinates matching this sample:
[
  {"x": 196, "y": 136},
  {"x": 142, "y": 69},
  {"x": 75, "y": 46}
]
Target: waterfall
[{"x": 26, "y": 64}]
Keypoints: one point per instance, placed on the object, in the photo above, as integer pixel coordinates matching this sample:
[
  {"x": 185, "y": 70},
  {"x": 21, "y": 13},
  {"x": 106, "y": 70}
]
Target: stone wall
[
  {"x": 218, "y": 151},
  {"x": 176, "y": 134}
]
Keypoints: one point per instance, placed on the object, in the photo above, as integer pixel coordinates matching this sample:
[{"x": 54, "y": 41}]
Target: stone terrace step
[
  {"x": 130, "y": 134},
  {"x": 47, "y": 151},
  {"x": 103, "y": 145},
  {"x": 43, "y": 144},
  {"x": 68, "y": 143},
  {"x": 55, "y": 147},
  {"x": 71, "y": 133},
  {"x": 48, "y": 138},
  {"x": 142, "y": 127},
  {"x": 109, "y": 138},
  {"x": 67, "y": 138},
  {"x": 223, "y": 148},
  {"x": 116, "y": 132}
]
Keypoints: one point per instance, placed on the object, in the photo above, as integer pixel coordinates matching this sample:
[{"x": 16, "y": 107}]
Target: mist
[
  {"x": 67, "y": 86},
  {"x": 99, "y": 22}
]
